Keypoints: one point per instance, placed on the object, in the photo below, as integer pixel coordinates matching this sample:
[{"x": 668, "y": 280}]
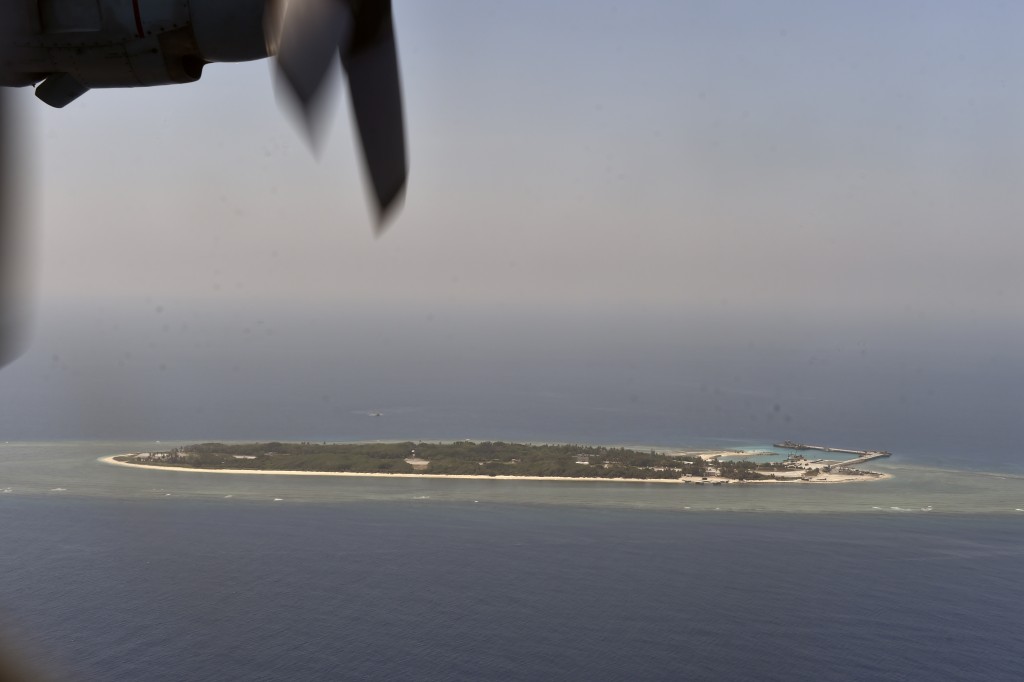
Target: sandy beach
[
  {"x": 822, "y": 478},
  {"x": 712, "y": 455}
]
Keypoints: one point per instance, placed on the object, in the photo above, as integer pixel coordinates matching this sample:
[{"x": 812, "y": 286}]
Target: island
[{"x": 495, "y": 459}]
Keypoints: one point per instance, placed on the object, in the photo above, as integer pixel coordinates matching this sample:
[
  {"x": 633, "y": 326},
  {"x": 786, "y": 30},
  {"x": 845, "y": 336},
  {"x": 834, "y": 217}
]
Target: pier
[
  {"x": 862, "y": 455},
  {"x": 866, "y": 457}
]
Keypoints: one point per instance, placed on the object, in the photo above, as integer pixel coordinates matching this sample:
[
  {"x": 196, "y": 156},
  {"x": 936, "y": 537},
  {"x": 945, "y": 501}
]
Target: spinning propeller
[
  {"x": 305, "y": 35},
  {"x": 68, "y": 47}
]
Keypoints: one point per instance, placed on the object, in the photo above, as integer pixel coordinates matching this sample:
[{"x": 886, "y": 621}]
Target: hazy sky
[
  {"x": 648, "y": 153},
  {"x": 786, "y": 163}
]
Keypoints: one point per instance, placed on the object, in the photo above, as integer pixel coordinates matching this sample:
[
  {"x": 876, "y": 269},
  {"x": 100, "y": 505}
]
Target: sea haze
[{"x": 938, "y": 391}]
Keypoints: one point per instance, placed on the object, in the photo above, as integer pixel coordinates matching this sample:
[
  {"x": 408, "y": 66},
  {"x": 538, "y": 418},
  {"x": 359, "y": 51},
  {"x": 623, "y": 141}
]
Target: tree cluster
[
  {"x": 740, "y": 470},
  {"x": 492, "y": 458}
]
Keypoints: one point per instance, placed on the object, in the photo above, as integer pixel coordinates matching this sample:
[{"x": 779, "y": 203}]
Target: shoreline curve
[{"x": 109, "y": 459}]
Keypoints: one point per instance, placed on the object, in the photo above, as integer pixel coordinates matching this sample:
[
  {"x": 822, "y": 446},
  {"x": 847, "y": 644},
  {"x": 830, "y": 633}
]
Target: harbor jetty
[{"x": 861, "y": 455}]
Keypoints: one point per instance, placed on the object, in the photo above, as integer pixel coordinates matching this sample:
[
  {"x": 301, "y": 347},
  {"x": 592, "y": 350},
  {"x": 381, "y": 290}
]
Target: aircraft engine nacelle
[
  {"x": 82, "y": 44},
  {"x": 229, "y": 30}
]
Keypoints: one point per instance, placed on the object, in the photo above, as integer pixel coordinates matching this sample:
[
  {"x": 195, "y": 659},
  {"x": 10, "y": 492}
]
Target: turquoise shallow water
[
  {"x": 111, "y": 573},
  {"x": 72, "y": 469}
]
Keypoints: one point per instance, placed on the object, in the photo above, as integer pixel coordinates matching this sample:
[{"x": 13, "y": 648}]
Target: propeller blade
[
  {"x": 5, "y": 209},
  {"x": 305, "y": 35},
  {"x": 5, "y": 228},
  {"x": 10, "y": 344},
  {"x": 371, "y": 64},
  {"x": 11, "y": 317}
]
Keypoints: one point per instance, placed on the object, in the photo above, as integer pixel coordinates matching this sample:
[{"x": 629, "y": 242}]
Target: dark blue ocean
[
  {"x": 104, "y": 589},
  {"x": 109, "y": 573}
]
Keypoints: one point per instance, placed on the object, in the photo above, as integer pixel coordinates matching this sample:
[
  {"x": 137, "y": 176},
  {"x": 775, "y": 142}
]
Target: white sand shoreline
[{"x": 824, "y": 478}]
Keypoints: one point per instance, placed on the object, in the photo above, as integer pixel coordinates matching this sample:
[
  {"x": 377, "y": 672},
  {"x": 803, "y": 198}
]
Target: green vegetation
[
  {"x": 776, "y": 466},
  {"x": 740, "y": 470},
  {"x": 458, "y": 458}
]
